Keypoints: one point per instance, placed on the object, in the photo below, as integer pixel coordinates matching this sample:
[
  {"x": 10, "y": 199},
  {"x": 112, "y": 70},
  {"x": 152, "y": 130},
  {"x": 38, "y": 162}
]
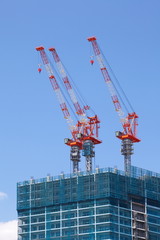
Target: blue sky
[{"x": 32, "y": 128}]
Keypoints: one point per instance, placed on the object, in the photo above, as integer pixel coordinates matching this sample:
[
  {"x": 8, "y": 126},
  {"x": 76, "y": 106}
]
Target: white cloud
[
  {"x": 3, "y": 195},
  {"x": 8, "y": 230}
]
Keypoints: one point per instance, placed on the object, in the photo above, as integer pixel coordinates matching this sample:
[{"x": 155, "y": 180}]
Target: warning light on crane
[
  {"x": 91, "y": 61},
  {"x": 39, "y": 70}
]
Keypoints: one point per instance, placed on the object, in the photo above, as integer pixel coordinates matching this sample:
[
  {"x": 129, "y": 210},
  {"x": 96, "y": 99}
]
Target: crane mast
[
  {"x": 74, "y": 143},
  {"x": 129, "y": 122},
  {"x": 89, "y": 137}
]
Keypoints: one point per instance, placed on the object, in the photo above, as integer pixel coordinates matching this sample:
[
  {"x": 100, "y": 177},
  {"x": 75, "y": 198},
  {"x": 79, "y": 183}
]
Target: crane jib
[{"x": 129, "y": 122}]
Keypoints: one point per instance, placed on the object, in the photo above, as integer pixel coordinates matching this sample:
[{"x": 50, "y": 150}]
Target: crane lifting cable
[
  {"x": 120, "y": 87},
  {"x": 78, "y": 105},
  {"x": 63, "y": 90},
  {"x": 74, "y": 93},
  {"x": 87, "y": 108}
]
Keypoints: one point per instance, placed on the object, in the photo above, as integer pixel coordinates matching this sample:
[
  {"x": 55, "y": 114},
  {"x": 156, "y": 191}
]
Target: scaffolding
[
  {"x": 106, "y": 182},
  {"x": 101, "y": 204}
]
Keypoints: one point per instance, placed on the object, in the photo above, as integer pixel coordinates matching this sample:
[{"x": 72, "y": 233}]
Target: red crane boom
[
  {"x": 61, "y": 69},
  {"x": 56, "y": 89}
]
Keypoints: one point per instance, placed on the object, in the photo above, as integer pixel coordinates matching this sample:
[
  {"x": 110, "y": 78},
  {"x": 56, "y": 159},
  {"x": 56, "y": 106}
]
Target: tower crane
[
  {"x": 129, "y": 122},
  {"x": 90, "y": 136},
  {"x": 85, "y": 131}
]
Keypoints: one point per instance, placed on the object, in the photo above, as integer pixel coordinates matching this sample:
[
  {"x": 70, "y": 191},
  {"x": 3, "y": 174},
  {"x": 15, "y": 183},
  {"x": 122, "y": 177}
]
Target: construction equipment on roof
[
  {"x": 129, "y": 121},
  {"x": 85, "y": 130}
]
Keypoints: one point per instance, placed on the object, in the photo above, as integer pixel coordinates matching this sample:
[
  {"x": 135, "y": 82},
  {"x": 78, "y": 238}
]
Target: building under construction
[
  {"x": 99, "y": 204},
  {"x": 102, "y": 204}
]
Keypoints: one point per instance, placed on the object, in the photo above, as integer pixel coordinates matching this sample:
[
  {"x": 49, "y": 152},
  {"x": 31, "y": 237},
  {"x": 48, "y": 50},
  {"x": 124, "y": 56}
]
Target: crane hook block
[
  {"x": 91, "y": 61},
  {"x": 39, "y": 70}
]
